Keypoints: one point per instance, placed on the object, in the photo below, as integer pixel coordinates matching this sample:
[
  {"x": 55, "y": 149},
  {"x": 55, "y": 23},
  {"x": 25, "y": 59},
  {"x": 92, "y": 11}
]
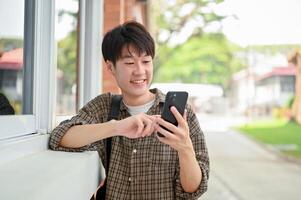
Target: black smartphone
[{"x": 177, "y": 99}]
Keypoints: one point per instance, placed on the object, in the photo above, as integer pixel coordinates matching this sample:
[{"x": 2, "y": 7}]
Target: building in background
[
  {"x": 259, "y": 93},
  {"x": 275, "y": 88},
  {"x": 11, "y": 76},
  {"x": 242, "y": 90}
]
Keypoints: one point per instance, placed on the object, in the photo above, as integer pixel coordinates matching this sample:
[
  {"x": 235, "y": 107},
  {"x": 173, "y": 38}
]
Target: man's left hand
[{"x": 176, "y": 136}]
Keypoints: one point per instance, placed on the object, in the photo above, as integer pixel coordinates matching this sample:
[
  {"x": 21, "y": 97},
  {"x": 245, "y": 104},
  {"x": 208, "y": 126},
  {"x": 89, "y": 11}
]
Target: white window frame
[
  {"x": 43, "y": 59},
  {"x": 91, "y": 26},
  {"x": 41, "y": 14}
]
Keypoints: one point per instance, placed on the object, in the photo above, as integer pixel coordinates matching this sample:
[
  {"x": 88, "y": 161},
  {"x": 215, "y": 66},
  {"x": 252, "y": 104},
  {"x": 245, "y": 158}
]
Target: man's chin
[{"x": 137, "y": 92}]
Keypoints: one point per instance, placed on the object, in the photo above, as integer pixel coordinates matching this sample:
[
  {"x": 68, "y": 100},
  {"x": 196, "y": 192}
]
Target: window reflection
[
  {"x": 66, "y": 38},
  {"x": 5, "y": 107},
  {"x": 11, "y": 56}
]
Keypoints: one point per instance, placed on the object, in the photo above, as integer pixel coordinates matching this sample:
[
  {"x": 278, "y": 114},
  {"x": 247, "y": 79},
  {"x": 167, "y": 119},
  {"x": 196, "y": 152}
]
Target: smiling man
[{"x": 142, "y": 164}]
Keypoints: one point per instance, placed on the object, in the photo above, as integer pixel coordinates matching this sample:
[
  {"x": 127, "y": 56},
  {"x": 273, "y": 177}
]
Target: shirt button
[
  {"x": 130, "y": 179},
  {"x": 135, "y": 151}
]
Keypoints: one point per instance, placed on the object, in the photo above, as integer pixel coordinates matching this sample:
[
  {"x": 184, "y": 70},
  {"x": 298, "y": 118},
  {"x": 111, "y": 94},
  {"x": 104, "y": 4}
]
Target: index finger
[{"x": 152, "y": 117}]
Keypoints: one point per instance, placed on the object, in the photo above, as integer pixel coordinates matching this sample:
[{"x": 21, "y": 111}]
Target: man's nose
[{"x": 139, "y": 68}]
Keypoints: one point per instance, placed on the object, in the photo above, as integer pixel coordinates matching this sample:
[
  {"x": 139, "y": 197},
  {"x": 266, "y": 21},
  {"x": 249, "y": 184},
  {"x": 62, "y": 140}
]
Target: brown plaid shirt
[{"x": 141, "y": 168}]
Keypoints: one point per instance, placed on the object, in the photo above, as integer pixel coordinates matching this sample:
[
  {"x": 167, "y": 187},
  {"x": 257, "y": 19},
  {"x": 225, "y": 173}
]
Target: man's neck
[{"x": 138, "y": 100}]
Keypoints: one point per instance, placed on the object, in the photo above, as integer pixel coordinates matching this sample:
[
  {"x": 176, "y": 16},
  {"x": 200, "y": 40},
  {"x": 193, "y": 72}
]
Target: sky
[
  {"x": 258, "y": 21},
  {"x": 64, "y": 26},
  {"x": 262, "y": 21},
  {"x": 11, "y": 18}
]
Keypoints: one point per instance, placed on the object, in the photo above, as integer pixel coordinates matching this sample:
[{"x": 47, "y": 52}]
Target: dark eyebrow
[
  {"x": 130, "y": 56},
  {"x": 126, "y": 56}
]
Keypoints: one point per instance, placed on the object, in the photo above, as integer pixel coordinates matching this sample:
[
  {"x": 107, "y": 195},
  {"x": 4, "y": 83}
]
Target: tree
[
  {"x": 206, "y": 59},
  {"x": 295, "y": 58},
  {"x": 67, "y": 49},
  {"x": 187, "y": 53},
  {"x": 7, "y": 44},
  {"x": 67, "y": 59},
  {"x": 175, "y": 17}
]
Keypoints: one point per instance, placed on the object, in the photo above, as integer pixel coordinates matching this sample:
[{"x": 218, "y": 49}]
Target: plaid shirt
[{"x": 141, "y": 168}]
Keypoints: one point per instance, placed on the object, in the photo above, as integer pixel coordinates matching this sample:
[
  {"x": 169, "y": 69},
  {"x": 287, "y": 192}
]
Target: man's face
[{"x": 133, "y": 72}]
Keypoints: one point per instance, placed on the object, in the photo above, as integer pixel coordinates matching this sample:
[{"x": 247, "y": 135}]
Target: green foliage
[
  {"x": 67, "y": 51},
  {"x": 67, "y": 59},
  {"x": 206, "y": 59},
  {"x": 290, "y": 102},
  {"x": 172, "y": 16},
  {"x": 7, "y": 44}
]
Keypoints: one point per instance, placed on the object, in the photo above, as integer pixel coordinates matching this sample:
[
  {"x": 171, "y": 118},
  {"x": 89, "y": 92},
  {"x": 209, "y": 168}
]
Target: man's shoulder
[
  {"x": 99, "y": 103},
  {"x": 191, "y": 114},
  {"x": 102, "y": 97},
  {"x": 189, "y": 107}
]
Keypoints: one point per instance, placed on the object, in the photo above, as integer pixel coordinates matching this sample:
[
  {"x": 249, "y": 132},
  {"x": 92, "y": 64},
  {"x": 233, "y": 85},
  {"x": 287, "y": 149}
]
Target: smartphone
[{"x": 177, "y": 99}]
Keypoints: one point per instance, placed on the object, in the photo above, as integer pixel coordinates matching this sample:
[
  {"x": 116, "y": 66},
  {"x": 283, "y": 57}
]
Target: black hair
[{"x": 129, "y": 33}]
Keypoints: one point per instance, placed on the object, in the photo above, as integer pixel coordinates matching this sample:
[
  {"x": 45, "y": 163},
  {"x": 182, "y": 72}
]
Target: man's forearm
[
  {"x": 81, "y": 135},
  {"x": 190, "y": 171}
]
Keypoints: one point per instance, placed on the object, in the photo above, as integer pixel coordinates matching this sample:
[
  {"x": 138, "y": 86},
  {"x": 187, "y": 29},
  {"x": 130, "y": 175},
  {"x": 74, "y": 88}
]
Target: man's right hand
[{"x": 136, "y": 126}]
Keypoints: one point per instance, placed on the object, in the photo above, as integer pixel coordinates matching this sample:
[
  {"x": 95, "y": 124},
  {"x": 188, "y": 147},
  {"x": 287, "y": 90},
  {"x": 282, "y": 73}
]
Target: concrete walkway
[{"x": 242, "y": 169}]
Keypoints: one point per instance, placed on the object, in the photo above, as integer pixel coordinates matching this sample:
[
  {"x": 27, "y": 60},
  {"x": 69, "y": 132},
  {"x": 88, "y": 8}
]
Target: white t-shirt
[{"x": 134, "y": 110}]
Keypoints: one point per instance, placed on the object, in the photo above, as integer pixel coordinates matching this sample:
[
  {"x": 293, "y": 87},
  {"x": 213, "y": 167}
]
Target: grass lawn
[{"x": 284, "y": 135}]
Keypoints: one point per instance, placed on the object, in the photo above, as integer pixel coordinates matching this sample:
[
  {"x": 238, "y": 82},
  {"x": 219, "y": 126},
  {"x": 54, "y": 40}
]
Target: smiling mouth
[{"x": 138, "y": 82}]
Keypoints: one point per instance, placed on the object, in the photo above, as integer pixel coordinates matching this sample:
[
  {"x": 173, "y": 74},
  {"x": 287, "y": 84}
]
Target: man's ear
[{"x": 110, "y": 67}]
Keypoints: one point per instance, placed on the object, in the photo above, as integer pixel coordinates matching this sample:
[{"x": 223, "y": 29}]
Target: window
[
  {"x": 13, "y": 70},
  {"x": 28, "y": 84},
  {"x": 78, "y": 30},
  {"x": 26, "y": 66},
  {"x": 66, "y": 35},
  {"x": 287, "y": 84},
  {"x": 16, "y": 70}
]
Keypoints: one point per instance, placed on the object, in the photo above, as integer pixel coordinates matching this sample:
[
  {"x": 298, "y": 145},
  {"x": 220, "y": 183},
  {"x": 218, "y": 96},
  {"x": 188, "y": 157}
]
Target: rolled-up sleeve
[
  {"x": 83, "y": 117},
  {"x": 202, "y": 158}
]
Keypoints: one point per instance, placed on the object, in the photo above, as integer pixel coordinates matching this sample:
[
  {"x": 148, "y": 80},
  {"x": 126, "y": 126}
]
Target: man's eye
[
  {"x": 129, "y": 63},
  {"x": 146, "y": 61}
]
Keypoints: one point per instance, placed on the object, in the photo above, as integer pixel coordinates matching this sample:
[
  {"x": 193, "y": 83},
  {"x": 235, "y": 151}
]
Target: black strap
[{"x": 114, "y": 113}]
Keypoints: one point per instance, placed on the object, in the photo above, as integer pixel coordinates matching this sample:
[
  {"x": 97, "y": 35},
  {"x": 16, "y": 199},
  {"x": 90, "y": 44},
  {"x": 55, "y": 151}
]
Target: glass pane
[
  {"x": 66, "y": 39},
  {"x": 11, "y": 58}
]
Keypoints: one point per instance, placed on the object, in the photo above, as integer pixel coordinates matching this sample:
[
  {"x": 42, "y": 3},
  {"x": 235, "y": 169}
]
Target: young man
[{"x": 142, "y": 165}]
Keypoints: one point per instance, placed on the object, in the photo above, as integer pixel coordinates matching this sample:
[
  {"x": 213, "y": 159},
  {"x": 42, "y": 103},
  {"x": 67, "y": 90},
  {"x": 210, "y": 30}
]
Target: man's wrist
[
  {"x": 114, "y": 128},
  {"x": 187, "y": 152}
]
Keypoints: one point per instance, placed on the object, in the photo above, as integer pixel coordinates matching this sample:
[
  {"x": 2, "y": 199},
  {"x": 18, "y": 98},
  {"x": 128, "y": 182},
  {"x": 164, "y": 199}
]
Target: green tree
[
  {"x": 203, "y": 57},
  {"x": 7, "y": 44},
  {"x": 67, "y": 59},
  {"x": 67, "y": 50},
  {"x": 206, "y": 59}
]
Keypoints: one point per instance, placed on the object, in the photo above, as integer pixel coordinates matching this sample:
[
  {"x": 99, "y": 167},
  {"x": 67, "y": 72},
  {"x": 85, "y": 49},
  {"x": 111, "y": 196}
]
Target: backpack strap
[
  {"x": 115, "y": 107},
  {"x": 114, "y": 113}
]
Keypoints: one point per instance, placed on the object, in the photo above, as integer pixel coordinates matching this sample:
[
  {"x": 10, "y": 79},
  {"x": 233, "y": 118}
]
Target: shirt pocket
[{"x": 163, "y": 155}]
